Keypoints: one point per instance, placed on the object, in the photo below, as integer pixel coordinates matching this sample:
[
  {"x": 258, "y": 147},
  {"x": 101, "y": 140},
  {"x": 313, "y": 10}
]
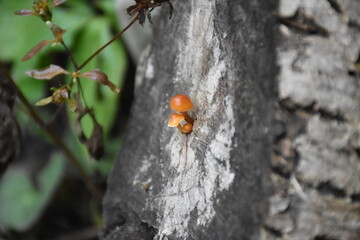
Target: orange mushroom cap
[
  {"x": 187, "y": 128},
  {"x": 175, "y": 119},
  {"x": 181, "y": 103}
]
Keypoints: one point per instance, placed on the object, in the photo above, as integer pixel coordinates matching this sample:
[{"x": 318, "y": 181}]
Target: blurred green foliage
[
  {"x": 110, "y": 61},
  {"x": 21, "y": 202},
  {"x": 86, "y": 32}
]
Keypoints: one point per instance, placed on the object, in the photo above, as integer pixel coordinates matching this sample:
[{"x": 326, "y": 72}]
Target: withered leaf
[
  {"x": 46, "y": 73},
  {"x": 41, "y": 1},
  {"x": 42, "y": 10},
  {"x": 57, "y": 31},
  {"x": 79, "y": 131},
  {"x": 72, "y": 104},
  {"x": 25, "y": 12},
  {"x": 58, "y": 97},
  {"x": 36, "y": 49},
  {"x": 95, "y": 143},
  {"x": 44, "y": 101},
  {"x": 79, "y": 106},
  {"x": 61, "y": 94},
  {"x": 57, "y": 3},
  {"x": 100, "y": 77}
]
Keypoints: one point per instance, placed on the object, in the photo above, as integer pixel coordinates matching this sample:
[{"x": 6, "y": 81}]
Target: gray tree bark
[
  {"x": 316, "y": 155},
  {"x": 274, "y": 153}
]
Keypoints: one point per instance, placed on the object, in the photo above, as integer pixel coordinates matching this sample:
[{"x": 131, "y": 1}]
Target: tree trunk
[
  {"x": 316, "y": 154},
  {"x": 274, "y": 150}
]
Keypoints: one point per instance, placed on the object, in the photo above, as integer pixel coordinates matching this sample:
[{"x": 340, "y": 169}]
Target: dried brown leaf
[
  {"x": 25, "y": 12},
  {"x": 42, "y": 10},
  {"x": 57, "y": 31},
  {"x": 95, "y": 143},
  {"x": 78, "y": 127},
  {"x": 79, "y": 106},
  {"x": 61, "y": 94},
  {"x": 72, "y": 104},
  {"x": 36, "y": 49},
  {"x": 57, "y": 3},
  {"x": 46, "y": 73},
  {"x": 100, "y": 77}
]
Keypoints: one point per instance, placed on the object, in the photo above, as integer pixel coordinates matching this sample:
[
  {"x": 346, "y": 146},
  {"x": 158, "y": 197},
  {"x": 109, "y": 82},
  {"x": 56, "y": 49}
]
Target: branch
[
  {"x": 35, "y": 116},
  {"x": 107, "y": 44}
]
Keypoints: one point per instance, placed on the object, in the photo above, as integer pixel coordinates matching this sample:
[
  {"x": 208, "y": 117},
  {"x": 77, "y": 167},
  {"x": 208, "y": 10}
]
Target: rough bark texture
[
  {"x": 208, "y": 184},
  {"x": 316, "y": 154},
  {"x": 248, "y": 170}
]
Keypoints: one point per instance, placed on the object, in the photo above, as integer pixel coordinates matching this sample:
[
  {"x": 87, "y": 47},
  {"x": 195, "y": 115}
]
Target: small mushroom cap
[
  {"x": 181, "y": 103},
  {"x": 175, "y": 119},
  {"x": 187, "y": 127}
]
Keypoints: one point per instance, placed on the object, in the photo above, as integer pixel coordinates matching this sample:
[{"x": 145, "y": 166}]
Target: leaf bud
[
  {"x": 42, "y": 10},
  {"x": 60, "y": 95}
]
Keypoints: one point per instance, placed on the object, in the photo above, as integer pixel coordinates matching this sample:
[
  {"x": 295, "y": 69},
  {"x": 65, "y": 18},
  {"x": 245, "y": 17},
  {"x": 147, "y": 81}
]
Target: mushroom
[
  {"x": 187, "y": 128},
  {"x": 182, "y": 104},
  {"x": 175, "y": 120}
]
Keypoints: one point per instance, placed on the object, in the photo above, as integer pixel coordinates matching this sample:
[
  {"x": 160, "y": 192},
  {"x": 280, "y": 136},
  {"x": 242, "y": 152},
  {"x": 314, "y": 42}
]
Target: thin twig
[
  {"x": 35, "y": 116},
  {"x": 73, "y": 61},
  {"x": 107, "y": 44},
  {"x": 80, "y": 89},
  {"x": 69, "y": 53}
]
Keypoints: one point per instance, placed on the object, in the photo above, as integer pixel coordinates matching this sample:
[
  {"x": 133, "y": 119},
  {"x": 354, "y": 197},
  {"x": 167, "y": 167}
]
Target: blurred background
[{"x": 41, "y": 194}]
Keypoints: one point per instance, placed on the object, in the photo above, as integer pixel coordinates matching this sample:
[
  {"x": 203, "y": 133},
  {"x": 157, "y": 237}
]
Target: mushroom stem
[
  {"x": 187, "y": 117},
  {"x": 179, "y": 127}
]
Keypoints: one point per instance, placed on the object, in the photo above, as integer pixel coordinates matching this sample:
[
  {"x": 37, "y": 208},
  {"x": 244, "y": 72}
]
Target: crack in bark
[
  {"x": 327, "y": 188},
  {"x": 354, "y": 24},
  {"x": 340, "y": 9},
  {"x": 311, "y": 109},
  {"x": 324, "y": 237},
  {"x": 355, "y": 197},
  {"x": 304, "y": 23},
  {"x": 337, "y": 6},
  {"x": 273, "y": 231}
]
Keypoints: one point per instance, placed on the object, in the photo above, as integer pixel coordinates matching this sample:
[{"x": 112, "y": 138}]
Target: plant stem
[
  {"x": 35, "y": 116},
  {"x": 69, "y": 53},
  {"x": 107, "y": 44},
  {"x": 71, "y": 56}
]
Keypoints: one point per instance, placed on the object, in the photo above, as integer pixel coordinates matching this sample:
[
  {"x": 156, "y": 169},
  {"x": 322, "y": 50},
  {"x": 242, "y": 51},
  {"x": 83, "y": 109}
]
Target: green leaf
[
  {"x": 108, "y": 7},
  {"x": 21, "y": 204},
  {"x": 73, "y": 18},
  {"x": 19, "y": 34}
]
